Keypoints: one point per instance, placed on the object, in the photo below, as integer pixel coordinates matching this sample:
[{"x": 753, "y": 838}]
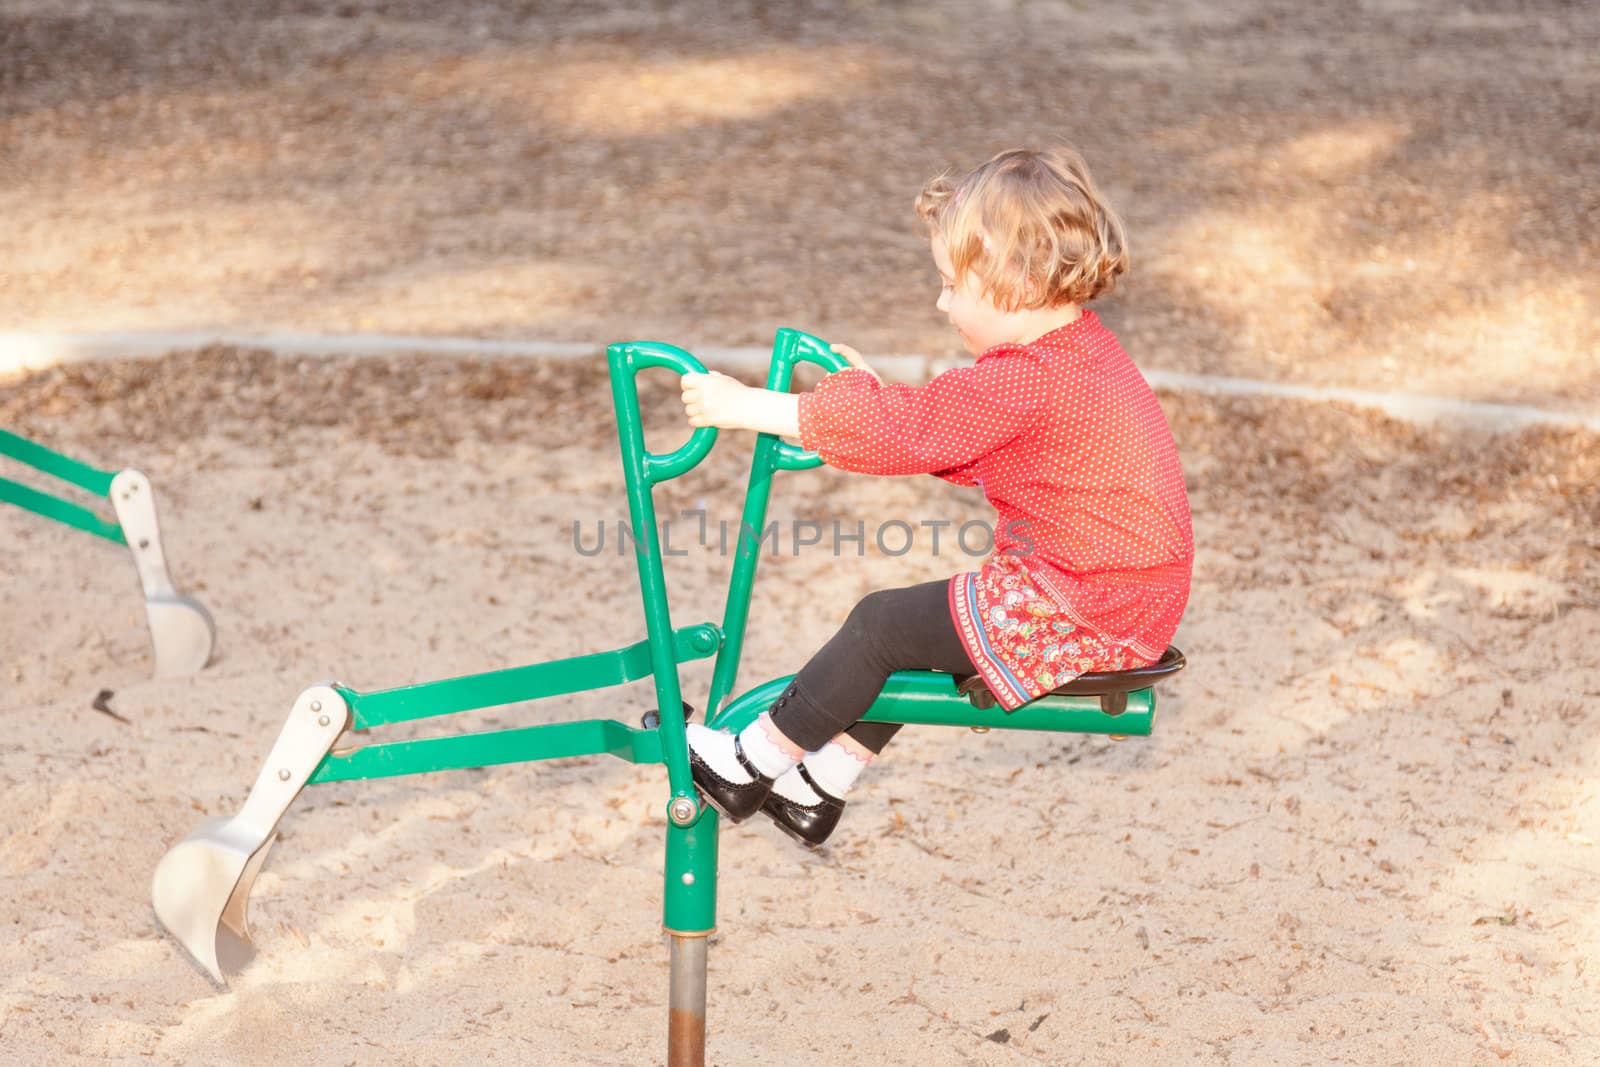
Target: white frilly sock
[
  {"x": 760, "y": 741},
  {"x": 834, "y": 768},
  {"x": 790, "y": 786}
]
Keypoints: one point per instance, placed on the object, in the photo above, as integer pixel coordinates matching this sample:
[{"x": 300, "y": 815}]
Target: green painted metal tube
[
  {"x": 643, "y": 355},
  {"x": 771, "y": 454},
  {"x": 641, "y": 470},
  {"x": 51, "y": 507},
  {"x": 548, "y": 741},
  {"x": 556, "y": 678},
  {"x": 736, "y": 609},
  {"x": 791, "y": 347},
  {"x": 690, "y": 904},
  {"x": 930, "y": 698},
  {"x": 55, "y": 464}
]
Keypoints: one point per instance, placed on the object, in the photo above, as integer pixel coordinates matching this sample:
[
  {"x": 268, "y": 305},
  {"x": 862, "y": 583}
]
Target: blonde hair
[{"x": 1030, "y": 226}]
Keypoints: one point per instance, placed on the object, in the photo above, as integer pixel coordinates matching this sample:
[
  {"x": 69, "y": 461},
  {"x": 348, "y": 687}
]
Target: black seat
[{"x": 1112, "y": 687}]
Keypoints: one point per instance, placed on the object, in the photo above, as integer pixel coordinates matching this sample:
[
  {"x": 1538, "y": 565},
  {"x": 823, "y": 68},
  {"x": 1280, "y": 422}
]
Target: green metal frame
[
  {"x": 181, "y": 629},
  {"x": 916, "y": 697},
  {"x": 68, "y": 470}
]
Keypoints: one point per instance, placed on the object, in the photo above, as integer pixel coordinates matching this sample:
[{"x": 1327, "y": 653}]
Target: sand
[{"x": 1367, "y": 827}]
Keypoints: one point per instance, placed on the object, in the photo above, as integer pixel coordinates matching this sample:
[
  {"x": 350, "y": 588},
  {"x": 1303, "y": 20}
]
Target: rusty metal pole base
[{"x": 686, "y": 1020}]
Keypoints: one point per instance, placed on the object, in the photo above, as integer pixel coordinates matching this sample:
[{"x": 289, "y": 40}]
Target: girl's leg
[
  {"x": 894, "y": 630},
  {"x": 889, "y": 630}
]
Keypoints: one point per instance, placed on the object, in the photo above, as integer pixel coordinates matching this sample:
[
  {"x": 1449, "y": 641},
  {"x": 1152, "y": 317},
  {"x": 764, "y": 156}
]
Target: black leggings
[{"x": 889, "y": 630}]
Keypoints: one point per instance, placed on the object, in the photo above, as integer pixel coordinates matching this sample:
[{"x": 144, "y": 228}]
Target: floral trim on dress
[{"x": 1023, "y": 641}]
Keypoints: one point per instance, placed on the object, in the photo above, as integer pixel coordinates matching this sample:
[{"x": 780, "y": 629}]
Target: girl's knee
[
  {"x": 877, "y": 627},
  {"x": 871, "y": 613}
]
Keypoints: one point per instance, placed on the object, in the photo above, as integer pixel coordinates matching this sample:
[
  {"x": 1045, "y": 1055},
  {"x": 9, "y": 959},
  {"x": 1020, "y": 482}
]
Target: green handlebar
[
  {"x": 642, "y": 355},
  {"x": 792, "y": 347}
]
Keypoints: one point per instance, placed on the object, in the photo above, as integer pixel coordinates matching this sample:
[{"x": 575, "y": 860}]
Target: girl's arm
[
  {"x": 858, "y": 424},
  {"x": 717, "y": 400}
]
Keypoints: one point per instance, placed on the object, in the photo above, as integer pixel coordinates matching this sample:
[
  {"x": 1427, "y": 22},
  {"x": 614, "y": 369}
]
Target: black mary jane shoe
[
  {"x": 808, "y": 824},
  {"x": 737, "y": 801}
]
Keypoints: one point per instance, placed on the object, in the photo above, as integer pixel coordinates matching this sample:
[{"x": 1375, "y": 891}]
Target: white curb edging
[
  {"x": 1411, "y": 407},
  {"x": 22, "y": 352}
]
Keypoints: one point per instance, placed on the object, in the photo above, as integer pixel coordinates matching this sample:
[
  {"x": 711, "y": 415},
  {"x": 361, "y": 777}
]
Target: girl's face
[{"x": 980, "y": 324}]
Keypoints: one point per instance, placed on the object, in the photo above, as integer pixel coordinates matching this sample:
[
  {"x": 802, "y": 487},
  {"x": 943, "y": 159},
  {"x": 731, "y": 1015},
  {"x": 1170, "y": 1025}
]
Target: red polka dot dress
[{"x": 1093, "y": 543}]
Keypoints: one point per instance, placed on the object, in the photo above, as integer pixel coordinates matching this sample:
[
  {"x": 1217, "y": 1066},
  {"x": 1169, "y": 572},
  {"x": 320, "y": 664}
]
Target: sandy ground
[{"x": 1367, "y": 828}]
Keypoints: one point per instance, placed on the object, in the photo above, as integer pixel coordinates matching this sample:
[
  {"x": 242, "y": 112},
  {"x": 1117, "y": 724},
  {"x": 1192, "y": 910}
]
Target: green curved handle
[
  {"x": 793, "y": 347},
  {"x": 641, "y": 355}
]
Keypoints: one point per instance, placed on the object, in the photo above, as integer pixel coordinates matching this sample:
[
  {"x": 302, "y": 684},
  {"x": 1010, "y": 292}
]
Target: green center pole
[{"x": 690, "y": 890}]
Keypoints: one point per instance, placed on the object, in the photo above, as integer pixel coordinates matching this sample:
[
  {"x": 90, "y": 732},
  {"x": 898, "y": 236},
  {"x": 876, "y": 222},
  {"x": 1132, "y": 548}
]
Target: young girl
[{"x": 1093, "y": 545}]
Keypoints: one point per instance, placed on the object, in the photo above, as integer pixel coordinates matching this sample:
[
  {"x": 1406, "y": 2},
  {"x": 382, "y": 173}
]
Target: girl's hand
[
  {"x": 853, "y": 358},
  {"x": 715, "y": 399}
]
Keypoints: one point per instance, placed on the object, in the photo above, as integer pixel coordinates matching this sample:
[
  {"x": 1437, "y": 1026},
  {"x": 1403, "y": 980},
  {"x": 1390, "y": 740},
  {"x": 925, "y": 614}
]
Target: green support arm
[
  {"x": 549, "y": 741},
  {"x": 525, "y": 744},
  {"x": 68, "y": 470},
  {"x": 55, "y": 464},
  {"x": 52, "y": 507},
  {"x": 514, "y": 684}
]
